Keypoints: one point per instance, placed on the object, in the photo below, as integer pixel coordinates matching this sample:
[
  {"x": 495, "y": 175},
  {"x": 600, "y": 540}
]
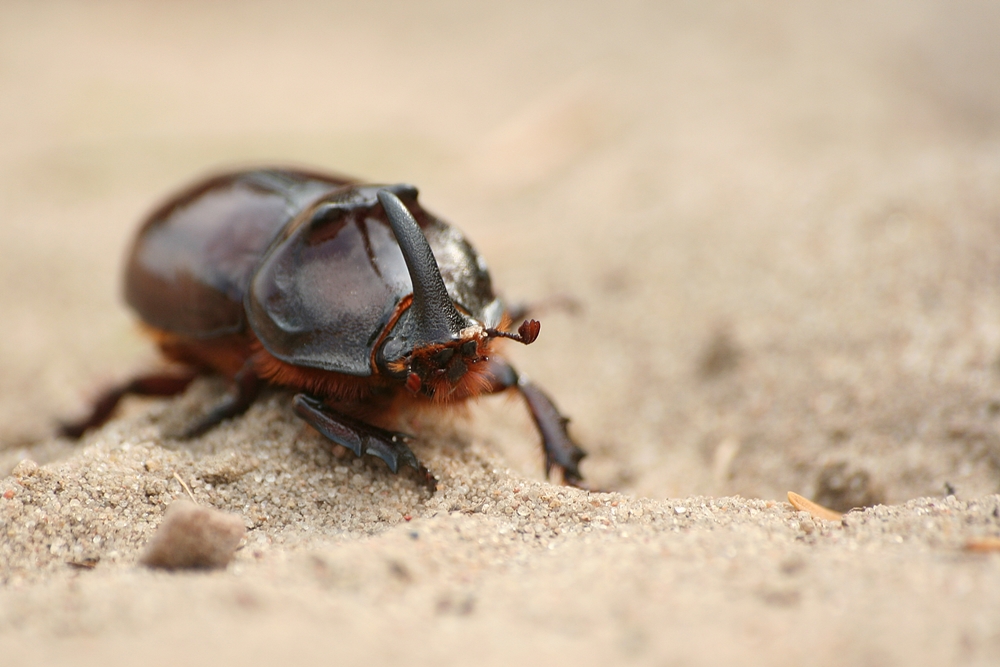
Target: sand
[{"x": 764, "y": 243}]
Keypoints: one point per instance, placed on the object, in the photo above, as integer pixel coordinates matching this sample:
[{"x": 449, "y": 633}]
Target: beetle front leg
[
  {"x": 560, "y": 450},
  {"x": 359, "y": 437}
]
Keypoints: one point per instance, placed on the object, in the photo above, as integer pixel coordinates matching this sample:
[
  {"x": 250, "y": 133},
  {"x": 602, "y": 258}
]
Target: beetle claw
[{"x": 391, "y": 452}]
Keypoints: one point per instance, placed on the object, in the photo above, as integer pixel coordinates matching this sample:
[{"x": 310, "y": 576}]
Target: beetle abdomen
[{"x": 188, "y": 270}]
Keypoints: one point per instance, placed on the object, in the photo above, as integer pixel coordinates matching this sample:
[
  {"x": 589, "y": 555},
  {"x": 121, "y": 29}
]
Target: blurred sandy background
[{"x": 779, "y": 224}]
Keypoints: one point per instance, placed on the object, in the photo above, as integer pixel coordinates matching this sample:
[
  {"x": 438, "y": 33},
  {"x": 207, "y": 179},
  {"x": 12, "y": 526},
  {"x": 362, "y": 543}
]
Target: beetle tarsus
[
  {"x": 359, "y": 437},
  {"x": 247, "y": 388}
]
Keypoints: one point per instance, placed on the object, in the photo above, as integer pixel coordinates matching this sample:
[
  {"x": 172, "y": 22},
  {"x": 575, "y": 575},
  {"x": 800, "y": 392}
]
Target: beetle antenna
[
  {"x": 437, "y": 318},
  {"x": 526, "y": 333}
]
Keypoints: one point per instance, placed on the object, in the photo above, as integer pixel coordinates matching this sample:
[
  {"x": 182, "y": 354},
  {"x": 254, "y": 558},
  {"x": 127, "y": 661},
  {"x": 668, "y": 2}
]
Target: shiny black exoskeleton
[{"x": 351, "y": 294}]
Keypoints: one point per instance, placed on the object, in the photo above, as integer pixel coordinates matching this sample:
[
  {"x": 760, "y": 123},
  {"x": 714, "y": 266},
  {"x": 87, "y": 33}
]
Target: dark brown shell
[{"x": 308, "y": 261}]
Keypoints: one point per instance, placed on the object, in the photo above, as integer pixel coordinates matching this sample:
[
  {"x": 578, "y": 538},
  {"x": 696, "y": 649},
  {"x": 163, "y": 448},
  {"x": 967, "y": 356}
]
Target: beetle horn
[{"x": 436, "y": 318}]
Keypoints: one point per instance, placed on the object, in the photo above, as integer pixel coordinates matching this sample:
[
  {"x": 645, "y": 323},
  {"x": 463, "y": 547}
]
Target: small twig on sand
[
  {"x": 983, "y": 545},
  {"x": 186, "y": 488},
  {"x": 817, "y": 510}
]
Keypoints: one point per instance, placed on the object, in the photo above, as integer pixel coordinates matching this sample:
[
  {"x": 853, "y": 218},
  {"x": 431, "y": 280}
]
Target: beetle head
[{"x": 433, "y": 345}]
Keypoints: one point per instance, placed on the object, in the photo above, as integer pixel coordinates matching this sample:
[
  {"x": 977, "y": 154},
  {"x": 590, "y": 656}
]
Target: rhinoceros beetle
[{"x": 351, "y": 294}]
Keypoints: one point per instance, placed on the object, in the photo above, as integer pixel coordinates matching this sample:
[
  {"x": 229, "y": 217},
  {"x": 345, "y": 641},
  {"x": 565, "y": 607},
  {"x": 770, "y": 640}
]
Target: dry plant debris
[
  {"x": 818, "y": 511},
  {"x": 983, "y": 545}
]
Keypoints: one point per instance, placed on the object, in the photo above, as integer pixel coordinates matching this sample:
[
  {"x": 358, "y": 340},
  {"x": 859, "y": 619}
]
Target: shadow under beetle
[{"x": 351, "y": 294}]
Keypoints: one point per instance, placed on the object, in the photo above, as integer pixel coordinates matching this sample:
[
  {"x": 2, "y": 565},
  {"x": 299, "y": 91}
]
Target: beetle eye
[
  {"x": 469, "y": 348},
  {"x": 442, "y": 357}
]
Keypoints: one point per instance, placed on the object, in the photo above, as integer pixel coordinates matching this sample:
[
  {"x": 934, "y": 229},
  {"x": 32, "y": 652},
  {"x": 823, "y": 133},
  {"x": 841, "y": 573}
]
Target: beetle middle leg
[
  {"x": 246, "y": 390},
  {"x": 359, "y": 437},
  {"x": 560, "y": 450}
]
